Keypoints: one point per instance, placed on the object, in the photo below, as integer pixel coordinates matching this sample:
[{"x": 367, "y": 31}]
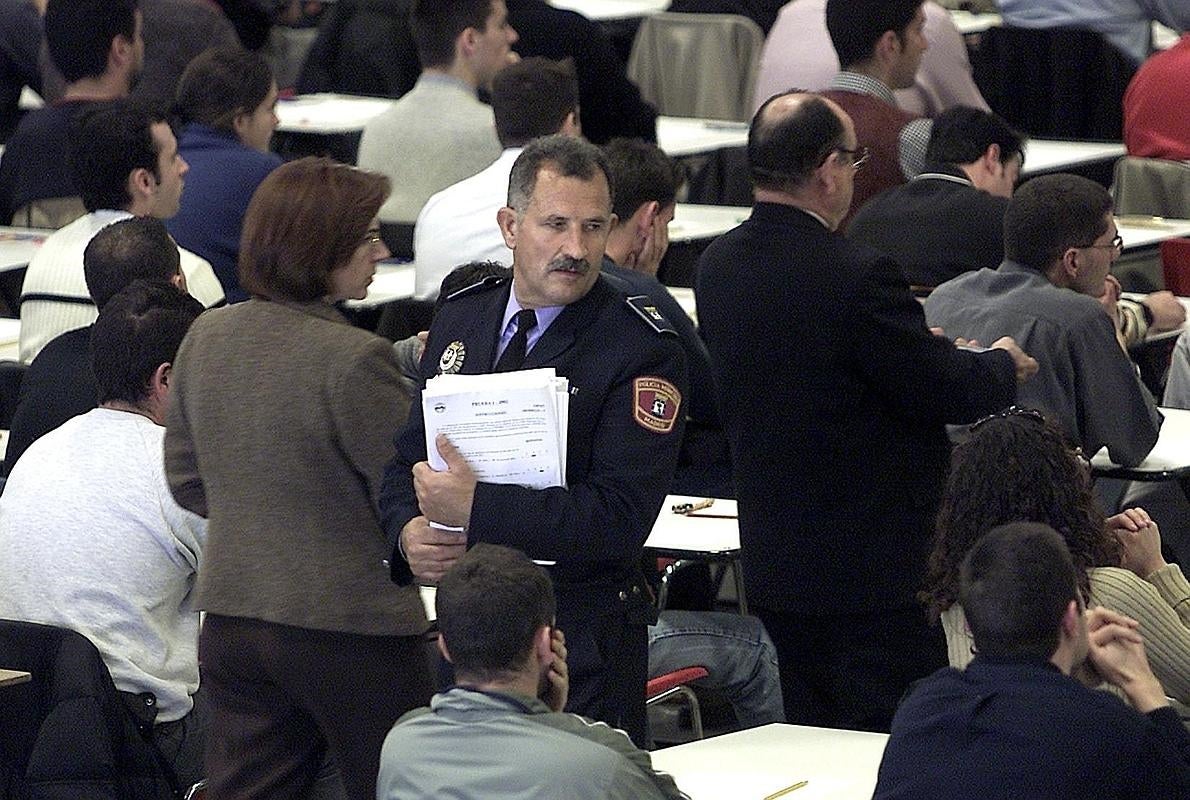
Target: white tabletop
[
  {"x": 392, "y": 282},
  {"x": 694, "y": 221},
  {"x": 967, "y": 22},
  {"x": 17, "y": 246},
  {"x": 1052, "y": 155},
  {"x": 690, "y": 136},
  {"x": 1141, "y": 231},
  {"x": 1169, "y": 457},
  {"x": 328, "y": 113},
  {"x": 756, "y": 763},
  {"x": 10, "y": 334},
  {"x": 613, "y": 9},
  {"x": 11, "y": 677},
  {"x": 709, "y": 531}
]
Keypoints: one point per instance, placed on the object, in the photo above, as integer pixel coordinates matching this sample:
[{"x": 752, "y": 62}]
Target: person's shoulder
[
  {"x": 634, "y": 304},
  {"x": 482, "y": 287}
]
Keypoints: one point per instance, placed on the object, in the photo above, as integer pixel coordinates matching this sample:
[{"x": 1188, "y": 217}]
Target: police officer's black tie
[{"x": 513, "y": 357}]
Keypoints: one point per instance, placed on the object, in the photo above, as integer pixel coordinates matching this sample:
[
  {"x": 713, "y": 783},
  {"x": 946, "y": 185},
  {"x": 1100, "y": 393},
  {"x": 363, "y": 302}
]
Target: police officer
[{"x": 627, "y": 377}]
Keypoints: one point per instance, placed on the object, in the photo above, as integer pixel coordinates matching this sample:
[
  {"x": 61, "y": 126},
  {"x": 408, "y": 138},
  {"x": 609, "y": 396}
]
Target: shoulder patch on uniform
[
  {"x": 647, "y": 310},
  {"x": 655, "y": 403},
  {"x": 490, "y": 282}
]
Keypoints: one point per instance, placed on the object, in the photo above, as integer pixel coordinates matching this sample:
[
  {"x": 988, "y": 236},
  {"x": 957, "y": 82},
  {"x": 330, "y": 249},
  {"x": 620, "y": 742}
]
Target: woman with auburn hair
[
  {"x": 280, "y": 423},
  {"x": 1019, "y": 466}
]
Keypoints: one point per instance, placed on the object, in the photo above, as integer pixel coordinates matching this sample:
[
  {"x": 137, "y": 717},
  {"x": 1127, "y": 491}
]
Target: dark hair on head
[
  {"x": 138, "y": 330},
  {"x": 1050, "y": 214},
  {"x": 1010, "y": 469},
  {"x": 490, "y": 605},
  {"x": 642, "y": 173},
  {"x": 306, "y": 218},
  {"x": 464, "y": 275},
  {"x": 784, "y": 150},
  {"x": 79, "y": 34},
  {"x": 961, "y": 135},
  {"x": 139, "y": 248},
  {"x": 568, "y": 156},
  {"x": 856, "y": 25},
  {"x": 1015, "y": 585},
  {"x": 532, "y": 98},
  {"x": 107, "y": 143},
  {"x": 436, "y": 24},
  {"x": 220, "y": 84}
]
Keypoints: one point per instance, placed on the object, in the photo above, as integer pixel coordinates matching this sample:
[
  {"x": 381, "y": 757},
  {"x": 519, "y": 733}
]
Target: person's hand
[
  {"x": 1117, "y": 651},
  {"x": 1110, "y": 299},
  {"x": 1026, "y": 365},
  {"x": 1140, "y": 541},
  {"x": 445, "y": 497},
  {"x": 430, "y": 551},
  {"x": 422, "y": 337},
  {"x": 654, "y": 241},
  {"x": 557, "y": 680},
  {"x": 1168, "y": 311}
]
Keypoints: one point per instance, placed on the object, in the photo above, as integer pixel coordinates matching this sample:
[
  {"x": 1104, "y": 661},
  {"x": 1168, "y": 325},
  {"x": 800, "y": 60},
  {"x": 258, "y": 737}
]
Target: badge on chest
[{"x": 452, "y": 358}]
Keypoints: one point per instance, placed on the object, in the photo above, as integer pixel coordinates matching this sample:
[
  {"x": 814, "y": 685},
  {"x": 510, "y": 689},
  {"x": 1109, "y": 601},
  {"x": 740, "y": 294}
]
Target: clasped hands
[{"x": 444, "y": 497}]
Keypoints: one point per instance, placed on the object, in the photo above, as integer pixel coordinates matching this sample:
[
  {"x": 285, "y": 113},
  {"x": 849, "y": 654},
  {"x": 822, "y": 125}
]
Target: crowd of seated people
[{"x": 206, "y": 426}]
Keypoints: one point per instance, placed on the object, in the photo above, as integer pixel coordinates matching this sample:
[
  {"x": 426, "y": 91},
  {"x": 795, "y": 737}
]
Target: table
[
  {"x": 1168, "y": 460},
  {"x": 694, "y": 221},
  {"x": 755, "y": 763},
  {"x": 711, "y": 534},
  {"x": 327, "y": 113},
  {"x": 1053, "y": 155},
  {"x": 10, "y": 334},
  {"x": 969, "y": 23},
  {"x": 605, "y": 10},
  {"x": 393, "y": 281},
  {"x": 691, "y": 136},
  {"x": 11, "y": 677},
  {"x": 1139, "y": 231},
  {"x": 17, "y": 246}
]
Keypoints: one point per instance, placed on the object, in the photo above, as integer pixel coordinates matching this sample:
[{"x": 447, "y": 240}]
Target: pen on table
[
  {"x": 786, "y": 790},
  {"x": 713, "y": 516},
  {"x": 687, "y": 508}
]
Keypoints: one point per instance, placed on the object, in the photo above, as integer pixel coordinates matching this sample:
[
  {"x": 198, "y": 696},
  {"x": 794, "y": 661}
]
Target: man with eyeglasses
[
  {"x": 834, "y": 396},
  {"x": 1054, "y": 294}
]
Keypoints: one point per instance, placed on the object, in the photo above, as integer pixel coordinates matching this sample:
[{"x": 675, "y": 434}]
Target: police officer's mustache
[{"x": 568, "y": 264}]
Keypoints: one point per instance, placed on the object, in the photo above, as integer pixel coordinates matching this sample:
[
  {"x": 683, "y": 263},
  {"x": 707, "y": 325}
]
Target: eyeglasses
[
  {"x": 859, "y": 156},
  {"x": 372, "y": 238},
  {"x": 1116, "y": 244}
]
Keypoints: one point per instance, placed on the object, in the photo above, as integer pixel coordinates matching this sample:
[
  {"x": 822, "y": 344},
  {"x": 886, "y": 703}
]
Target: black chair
[
  {"x": 12, "y": 373},
  {"x": 66, "y": 734}
]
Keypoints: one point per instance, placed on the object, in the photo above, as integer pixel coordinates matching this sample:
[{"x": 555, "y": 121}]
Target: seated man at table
[
  {"x": 1016, "y": 723},
  {"x": 59, "y": 383},
  {"x": 439, "y": 132},
  {"x": 499, "y": 732},
  {"x": 1054, "y": 294},
  {"x": 92, "y": 540}
]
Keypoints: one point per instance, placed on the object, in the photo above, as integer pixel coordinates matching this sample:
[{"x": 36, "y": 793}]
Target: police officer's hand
[
  {"x": 430, "y": 551},
  {"x": 445, "y": 497}
]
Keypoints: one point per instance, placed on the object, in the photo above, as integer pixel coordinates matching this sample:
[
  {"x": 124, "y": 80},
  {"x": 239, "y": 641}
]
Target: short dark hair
[
  {"x": 306, "y": 218},
  {"x": 961, "y": 135},
  {"x": 642, "y": 173},
  {"x": 1049, "y": 214},
  {"x": 784, "y": 152},
  {"x": 856, "y": 25},
  {"x": 138, "y": 330},
  {"x": 107, "y": 143},
  {"x": 571, "y": 157},
  {"x": 490, "y": 605},
  {"x": 436, "y": 24},
  {"x": 221, "y": 83},
  {"x": 1015, "y": 585},
  {"x": 464, "y": 275},
  {"x": 139, "y": 248},
  {"x": 532, "y": 98},
  {"x": 79, "y": 34}
]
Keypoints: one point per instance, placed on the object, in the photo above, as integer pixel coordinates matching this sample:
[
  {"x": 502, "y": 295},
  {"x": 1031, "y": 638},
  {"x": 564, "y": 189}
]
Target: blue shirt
[{"x": 545, "y": 318}]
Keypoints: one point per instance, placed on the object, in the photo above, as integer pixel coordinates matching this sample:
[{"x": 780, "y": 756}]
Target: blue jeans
[{"x": 733, "y": 648}]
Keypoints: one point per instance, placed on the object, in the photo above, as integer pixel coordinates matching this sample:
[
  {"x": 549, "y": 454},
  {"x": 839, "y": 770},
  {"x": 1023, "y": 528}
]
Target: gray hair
[{"x": 569, "y": 156}]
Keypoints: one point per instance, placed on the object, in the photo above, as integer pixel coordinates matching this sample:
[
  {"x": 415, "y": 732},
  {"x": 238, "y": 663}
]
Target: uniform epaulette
[
  {"x": 647, "y": 310},
  {"x": 489, "y": 282}
]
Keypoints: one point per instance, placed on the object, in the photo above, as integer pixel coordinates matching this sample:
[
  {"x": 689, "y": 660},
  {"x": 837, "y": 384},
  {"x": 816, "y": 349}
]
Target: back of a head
[
  {"x": 961, "y": 135},
  {"x": 79, "y": 34},
  {"x": 464, "y": 275},
  {"x": 569, "y": 156},
  {"x": 304, "y": 220},
  {"x": 436, "y": 24},
  {"x": 856, "y": 25},
  {"x": 138, "y": 330},
  {"x": 642, "y": 173},
  {"x": 1050, "y": 214},
  {"x": 107, "y": 143},
  {"x": 532, "y": 98},
  {"x": 221, "y": 83},
  {"x": 139, "y": 248},
  {"x": 1014, "y": 586},
  {"x": 490, "y": 605},
  {"x": 785, "y": 147}
]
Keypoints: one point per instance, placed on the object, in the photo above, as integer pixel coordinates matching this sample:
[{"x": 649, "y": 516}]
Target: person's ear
[
  {"x": 1072, "y": 620},
  {"x": 240, "y": 122},
  {"x": 543, "y": 645},
  {"x": 442, "y": 649},
  {"x": 141, "y": 183},
  {"x": 506, "y": 218}
]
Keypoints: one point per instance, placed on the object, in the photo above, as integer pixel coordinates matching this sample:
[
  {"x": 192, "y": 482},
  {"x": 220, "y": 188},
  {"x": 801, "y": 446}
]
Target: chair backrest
[
  {"x": 1175, "y": 266},
  {"x": 11, "y": 375},
  {"x": 49, "y": 212},
  {"x": 66, "y": 735},
  {"x": 697, "y": 65},
  {"x": 1152, "y": 186},
  {"x": 1054, "y": 82}
]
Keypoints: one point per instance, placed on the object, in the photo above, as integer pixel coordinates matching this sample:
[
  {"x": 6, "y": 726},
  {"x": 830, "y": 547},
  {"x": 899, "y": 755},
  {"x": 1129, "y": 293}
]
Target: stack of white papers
[{"x": 509, "y": 426}]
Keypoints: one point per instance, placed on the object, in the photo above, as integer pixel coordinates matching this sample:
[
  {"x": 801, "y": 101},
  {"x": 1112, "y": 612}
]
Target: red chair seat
[{"x": 679, "y": 677}]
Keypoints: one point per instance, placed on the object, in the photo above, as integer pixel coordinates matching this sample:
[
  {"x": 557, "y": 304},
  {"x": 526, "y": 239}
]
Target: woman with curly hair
[{"x": 1019, "y": 466}]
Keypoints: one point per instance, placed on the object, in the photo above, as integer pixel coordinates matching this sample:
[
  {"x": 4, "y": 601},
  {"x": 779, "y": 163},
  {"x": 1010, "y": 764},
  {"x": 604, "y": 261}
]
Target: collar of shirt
[
  {"x": 862, "y": 84},
  {"x": 545, "y": 318},
  {"x": 944, "y": 172},
  {"x": 446, "y": 80}
]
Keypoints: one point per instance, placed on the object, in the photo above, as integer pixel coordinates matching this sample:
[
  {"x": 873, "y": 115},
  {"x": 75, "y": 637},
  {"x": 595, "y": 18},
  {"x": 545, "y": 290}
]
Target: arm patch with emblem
[
  {"x": 655, "y": 403},
  {"x": 647, "y": 310}
]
